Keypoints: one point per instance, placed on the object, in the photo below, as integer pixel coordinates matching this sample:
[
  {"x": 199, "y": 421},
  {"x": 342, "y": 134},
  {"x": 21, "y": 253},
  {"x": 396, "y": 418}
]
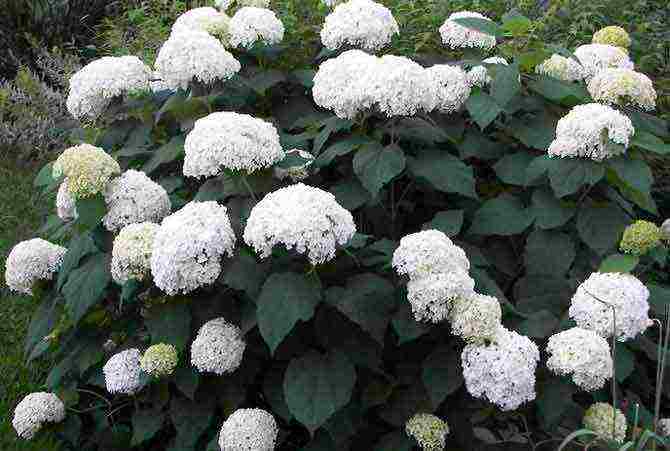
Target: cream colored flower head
[{"x": 87, "y": 170}]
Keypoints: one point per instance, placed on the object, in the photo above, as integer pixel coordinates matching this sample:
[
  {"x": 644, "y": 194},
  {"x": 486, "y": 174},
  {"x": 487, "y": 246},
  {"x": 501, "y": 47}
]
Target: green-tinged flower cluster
[
  {"x": 159, "y": 360},
  {"x": 612, "y": 35},
  {"x": 254, "y": 3},
  {"x": 87, "y": 170},
  {"x": 599, "y": 417},
  {"x": 640, "y": 237},
  {"x": 428, "y": 430}
]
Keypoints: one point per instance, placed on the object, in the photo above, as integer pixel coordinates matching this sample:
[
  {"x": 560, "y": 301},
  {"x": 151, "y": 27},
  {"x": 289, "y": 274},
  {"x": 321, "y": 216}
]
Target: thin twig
[{"x": 251, "y": 191}]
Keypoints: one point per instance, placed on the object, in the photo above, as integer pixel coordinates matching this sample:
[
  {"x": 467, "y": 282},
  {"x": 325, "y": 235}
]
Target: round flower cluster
[
  {"x": 432, "y": 297},
  {"x": 298, "y": 172},
  {"x": 664, "y": 427},
  {"x": 194, "y": 55},
  {"x": 404, "y": 88},
  {"x": 123, "y": 372},
  {"x": 218, "y": 348},
  {"x": 429, "y": 431},
  {"x": 428, "y": 252},
  {"x": 561, "y": 68},
  {"x": 301, "y": 217},
  {"x": 479, "y": 75},
  {"x": 251, "y": 24},
  {"x": 592, "y": 131},
  {"x": 133, "y": 197},
  {"x": 582, "y": 353},
  {"x": 598, "y": 57},
  {"x": 612, "y": 35},
  {"x": 502, "y": 371},
  {"x": 248, "y": 429},
  {"x": 453, "y": 87},
  {"x": 131, "y": 254},
  {"x": 30, "y": 261},
  {"x": 189, "y": 245},
  {"x": 159, "y": 360},
  {"x": 591, "y": 306},
  {"x": 359, "y": 23},
  {"x": 94, "y": 86},
  {"x": 65, "y": 203},
  {"x": 599, "y": 417},
  {"x": 34, "y": 410},
  {"x": 623, "y": 87},
  {"x": 458, "y": 36},
  {"x": 475, "y": 317},
  {"x": 205, "y": 19},
  {"x": 640, "y": 237},
  {"x": 228, "y": 140},
  {"x": 87, "y": 170}
]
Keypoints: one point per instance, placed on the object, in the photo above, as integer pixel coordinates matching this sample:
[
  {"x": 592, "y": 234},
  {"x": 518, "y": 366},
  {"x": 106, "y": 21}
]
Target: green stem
[{"x": 251, "y": 191}]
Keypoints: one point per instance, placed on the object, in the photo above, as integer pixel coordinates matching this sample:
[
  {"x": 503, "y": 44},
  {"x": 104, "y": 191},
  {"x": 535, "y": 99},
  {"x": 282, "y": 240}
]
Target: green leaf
[
  {"x": 394, "y": 441},
  {"x": 485, "y": 26},
  {"x": 548, "y": 211},
  {"x": 600, "y": 226},
  {"x": 505, "y": 84},
  {"x": 444, "y": 172},
  {"x": 624, "y": 362},
  {"x": 406, "y": 327},
  {"x": 646, "y": 141},
  {"x": 511, "y": 169},
  {"x": 191, "y": 419},
  {"x": 340, "y": 148},
  {"x": 266, "y": 79},
  {"x": 165, "y": 154},
  {"x": 549, "y": 252},
  {"x": 350, "y": 194},
  {"x": 483, "y": 108},
  {"x": 90, "y": 211},
  {"x": 274, "y": 392},
  {"x": 535, "y": 131},
  {"x": 542, "y": 292},
  {"x": 243, "y": 272},
  {"x": 551, "y": 88},
  {"x": 187, "y": 379},
  {"x": 330, "y": 126},
  {"x": 568, "y": 175},
  {"x": 448, "y": 222},
  {"x": 634, "y": 172},
  {"x": 44, "y": 177},
  {"x": 659, "y": 297},
  {"x": 316, "y": 386},
  {"x": 504, "y": 215},
  {"x": 79, "y": 247},
  {"x": 646, "y": 122},
  {"x": 415, "y": 129},
  {"x": 169, "y": 323},
  {"x": 619, "y": 263},
  {"x": 146, "y": 423},
  {"x": 442, "y": 374},
  {"x": 42, "y": 322},
  {"x": 285, "y": 299},
  {"x": 554, "y": 401},
  {"x": 539, "y": 324},
  {"x": 476, "y": 144},
  {"x": 86, "y": 285},
  {"x": 305, "y": 77},
  {"x": 516, "y": 23},
  {"x": 375, "y": 165},
  {"x": 367, "y": 300}
]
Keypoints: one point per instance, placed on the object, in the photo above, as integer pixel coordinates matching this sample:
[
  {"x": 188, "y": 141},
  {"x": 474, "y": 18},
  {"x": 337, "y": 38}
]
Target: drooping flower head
[
  {"x": 205, "y": 19},
  {"x": 299, "y": 171},
  {"x": 592, "y": 304},
  {"x": 561, "y": 68},
  {"x": 228, "y": 140},
  {"x": 479, "y": 75},
  {"x": 249, "y": 429},
  {"x": 218, "y": 348},
  {"x": 299, "y": 217},
  {"x": 640, "y": 237},
  {"x": 503, "y": 372},
  {"x": 612, "y": 35},
  {"x": 34, "y": 411},
  {"x": 428, "y": 252},
  {"x": 623, "y": 87},
  {"x": 429, "y": 431},
  {"x": 96, "y": 85},
  {"x": 65, "y": 203},
  {"x": 133, "y": 197},
  {"x": 583, "y": 354},
  {"x": 189, "y": 245},
  {"x": 475, "y": 318},
  {"x": 30, "y": 261},
  {"x": 359, "y": 23},
  {"x": 599, "y": 417},
  {"x": 131, "y": 254},
  {"x": 250, "y": 25},
  {"x": 452, "y": 87},
  {"x": 432, "y": 297},
  {"x": 598, "y": 57},
  {"x": 455, "y": 35},
  {"x": 592, "y": 131},
  {"x": 122, "y": 372},
  {"x": 159, "y": 360},
  {"x": 403, "y": 87},
  {"x": 87, "y": 170},
  {"x": 192, "y": 55}
]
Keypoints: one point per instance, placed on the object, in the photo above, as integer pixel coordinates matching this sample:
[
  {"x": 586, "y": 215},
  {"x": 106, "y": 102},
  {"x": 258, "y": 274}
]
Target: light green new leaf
[{"x": 619, "y": 263}]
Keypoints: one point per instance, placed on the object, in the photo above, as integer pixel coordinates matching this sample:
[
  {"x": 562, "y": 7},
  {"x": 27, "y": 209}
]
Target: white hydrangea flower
[
  {"x": 65, "y": 203},
  {"x": 589, "y": 131},
  {"x": 664, "y": 427},
  {"x": 343, "y": 84},
  {"x": 133, "y": 197},
  {"x": 159, "y": 360},
  {"x": 301, "y": 217},
  {"x": 122, "y": 372},
  {"x": 205, "y": 19},
  {"x": 249, "y": 429},
  {"x": 479, "y": 75},
  {"x": 189, "y": 245},
  {"x": 331, "y": 3},
  {"x": 228, "y": 140},
  {"x": 223, "y": 5},
  {"x": 218, "y": 348},
  {"x": 250, "y": 25},
  {"x": 597, "y": 57},
  {"x": 475, "y": 318},
  {"x": 131, "y": 254},
  {"x": 562, "y": 68},
  {"x": 432, "y": 297},
  {"x": 298, "y": 172},
  {"x": 94, "y": 86},
  {"x": 429, "y": 431},
  {"x": 503, "y": 372},
  {"x": 428, "y": 252},
  {"x": 34, "y": 410},
  {"x": 453, "y": 87},
  {"x": 30, "y": 261},
  {"x": 403, "y": 87},
  {"x": 457, "y": 36},
  {"x": 599, "y": 417},
  {"x": 254, "y": 3},
  {"x": 194, "y": 55},
  {"x": 583, "y": 354},
  {"x": 359, "y": 23},
  {"x": 624, "y": 292},
  {"x": 623, "y": 87},
  {"x": 665, "y": 230},
  {"x": 87, "y": 170}
]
